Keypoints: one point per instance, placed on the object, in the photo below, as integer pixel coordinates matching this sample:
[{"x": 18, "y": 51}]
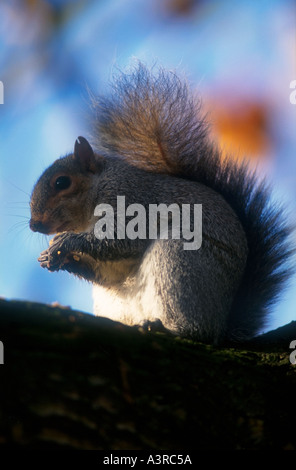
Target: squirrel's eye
[{"x": 62, "y": 182}]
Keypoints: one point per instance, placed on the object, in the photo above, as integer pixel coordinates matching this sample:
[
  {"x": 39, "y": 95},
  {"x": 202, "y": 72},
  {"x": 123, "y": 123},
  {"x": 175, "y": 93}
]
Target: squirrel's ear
[{"x": 84, "y": 154}]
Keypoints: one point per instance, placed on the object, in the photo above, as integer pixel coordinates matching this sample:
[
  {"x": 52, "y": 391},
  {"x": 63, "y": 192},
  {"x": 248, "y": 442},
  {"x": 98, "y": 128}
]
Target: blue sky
[{"x": 243, "y": 49}]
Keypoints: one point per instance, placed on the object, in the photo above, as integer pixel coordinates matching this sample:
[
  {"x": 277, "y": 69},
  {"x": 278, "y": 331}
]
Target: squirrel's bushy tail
[{"x": 154, "y": 122}]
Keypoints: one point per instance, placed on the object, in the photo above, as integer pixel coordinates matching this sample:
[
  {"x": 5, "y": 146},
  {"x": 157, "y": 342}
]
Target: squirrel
[{"x": 151, "y": 144}]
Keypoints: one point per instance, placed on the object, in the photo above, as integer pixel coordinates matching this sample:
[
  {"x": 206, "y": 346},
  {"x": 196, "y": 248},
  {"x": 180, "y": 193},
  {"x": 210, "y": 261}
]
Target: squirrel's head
[{"x": 59, "y": 201}]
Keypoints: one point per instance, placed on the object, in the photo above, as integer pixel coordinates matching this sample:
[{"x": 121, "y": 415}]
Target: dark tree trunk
[{"x": 74, "y": 381}]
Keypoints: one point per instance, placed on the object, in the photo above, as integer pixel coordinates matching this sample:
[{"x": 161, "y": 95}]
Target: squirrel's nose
[{"x": 37, "y": 226}]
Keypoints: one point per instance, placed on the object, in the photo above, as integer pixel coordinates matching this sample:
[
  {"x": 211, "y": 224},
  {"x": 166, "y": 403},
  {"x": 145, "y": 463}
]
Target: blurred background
[{"x": 240, "y": 57}]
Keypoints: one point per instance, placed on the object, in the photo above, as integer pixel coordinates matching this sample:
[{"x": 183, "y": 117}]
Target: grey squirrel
[{"x": 152, "y": 146}]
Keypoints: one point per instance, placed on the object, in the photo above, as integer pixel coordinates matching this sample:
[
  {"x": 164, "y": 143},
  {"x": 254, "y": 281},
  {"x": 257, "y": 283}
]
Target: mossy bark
[{"x": 74, "y": 381}]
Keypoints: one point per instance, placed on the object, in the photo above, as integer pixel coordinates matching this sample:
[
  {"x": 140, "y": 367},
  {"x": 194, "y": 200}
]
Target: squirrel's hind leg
[{"x": 181, "y": 295}]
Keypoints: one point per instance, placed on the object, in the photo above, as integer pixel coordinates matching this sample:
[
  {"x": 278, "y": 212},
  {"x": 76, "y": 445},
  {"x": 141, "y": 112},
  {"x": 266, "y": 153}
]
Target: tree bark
[{"x": 74, "y": 381}]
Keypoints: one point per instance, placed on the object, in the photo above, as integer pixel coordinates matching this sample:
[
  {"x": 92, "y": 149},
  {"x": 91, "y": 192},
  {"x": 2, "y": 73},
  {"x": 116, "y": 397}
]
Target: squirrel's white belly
[
  {"x": 118, "y": 305},
  {"x": 133, "y": 301}
]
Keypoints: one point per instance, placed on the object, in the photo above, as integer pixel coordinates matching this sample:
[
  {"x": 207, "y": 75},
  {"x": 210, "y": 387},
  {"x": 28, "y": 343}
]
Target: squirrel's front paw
[
  {"x": 56, "y": 255},
  {"x": 52, "y": 260}
]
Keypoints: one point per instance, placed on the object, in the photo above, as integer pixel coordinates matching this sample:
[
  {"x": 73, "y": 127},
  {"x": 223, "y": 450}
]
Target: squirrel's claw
[
  {"x": 51, "y": 259},
  {"x": 57, "y": 256},
  {"x": 43, "y": 259}
]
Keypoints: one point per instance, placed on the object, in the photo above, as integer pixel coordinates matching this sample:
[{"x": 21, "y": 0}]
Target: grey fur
[
  {"x": 155, "y": 122},
  {"x": 153, "y": 147}
]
